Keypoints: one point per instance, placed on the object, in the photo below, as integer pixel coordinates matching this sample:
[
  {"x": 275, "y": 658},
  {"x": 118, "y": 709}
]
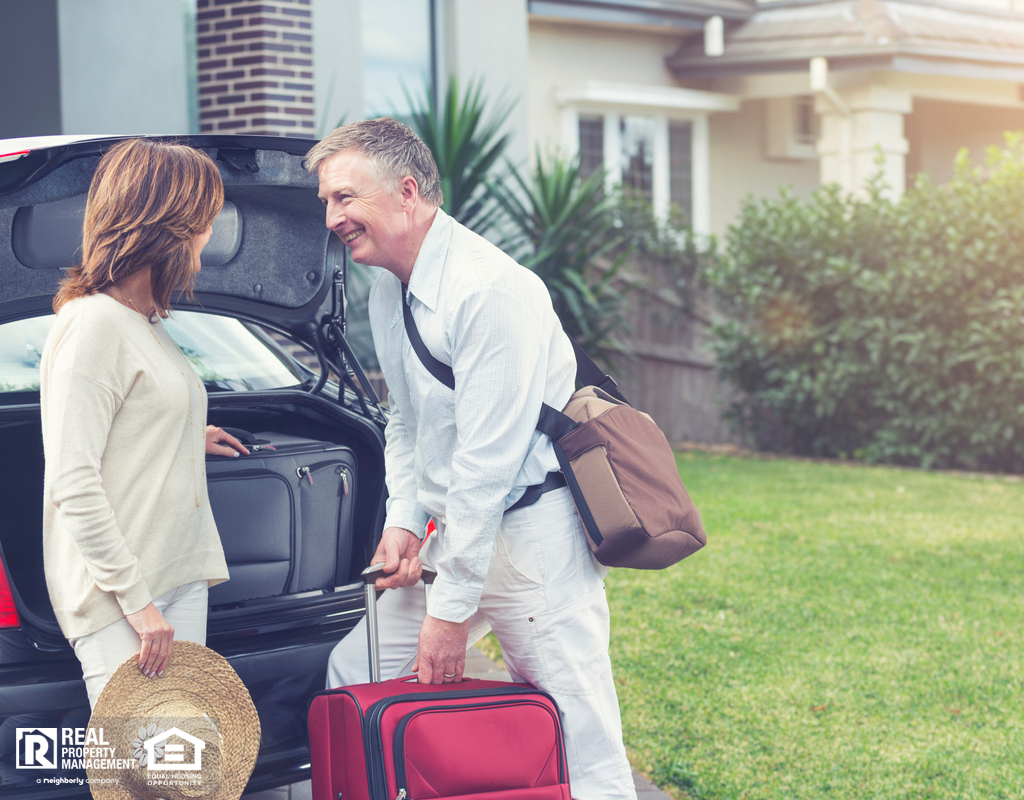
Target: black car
[{"x": 271, "y": 272}]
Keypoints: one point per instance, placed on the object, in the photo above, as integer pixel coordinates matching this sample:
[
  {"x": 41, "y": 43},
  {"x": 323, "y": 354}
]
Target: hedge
[{"x": 891, "y": 331}]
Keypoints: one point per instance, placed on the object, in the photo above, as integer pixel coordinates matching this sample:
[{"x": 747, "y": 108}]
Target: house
[
  {"x": 697, "y": 103},
  {"x": 694, "y": 102}
]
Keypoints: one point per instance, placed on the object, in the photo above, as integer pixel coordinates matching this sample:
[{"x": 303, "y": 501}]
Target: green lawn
[{"x": 848, "y": 632}]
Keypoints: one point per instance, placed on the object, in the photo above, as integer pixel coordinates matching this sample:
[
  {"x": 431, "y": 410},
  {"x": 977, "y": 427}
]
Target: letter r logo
[{"x": 37, "y": 748}]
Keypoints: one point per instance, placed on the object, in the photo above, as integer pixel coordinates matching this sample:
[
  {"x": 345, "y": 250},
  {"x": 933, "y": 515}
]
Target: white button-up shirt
[{"x": 464, "y": 456}]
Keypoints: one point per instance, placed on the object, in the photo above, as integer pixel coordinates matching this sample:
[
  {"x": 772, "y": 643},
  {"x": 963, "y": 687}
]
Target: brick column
[{"x": 256, "y": 67}]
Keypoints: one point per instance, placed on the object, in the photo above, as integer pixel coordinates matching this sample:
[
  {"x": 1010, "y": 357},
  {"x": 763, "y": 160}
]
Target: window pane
[
  {"x": 680, "y": 154},
  {"x": 396, "y": 52},
  {"x": 225, "y": 353},
  {"x": 637, "y": 135},
  {"x": 806, "y": 120},
  {"x": 591, "y": 144}
]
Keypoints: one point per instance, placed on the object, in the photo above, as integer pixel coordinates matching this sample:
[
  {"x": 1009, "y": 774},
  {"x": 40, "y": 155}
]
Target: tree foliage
[
  {"x": 563, "y": 227},
  {"x": 892, "y": 331},
  {"x": 467, "y": 142}
]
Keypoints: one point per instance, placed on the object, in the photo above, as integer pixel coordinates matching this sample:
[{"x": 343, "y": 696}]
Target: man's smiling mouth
[{"x": 349, "y": 237}]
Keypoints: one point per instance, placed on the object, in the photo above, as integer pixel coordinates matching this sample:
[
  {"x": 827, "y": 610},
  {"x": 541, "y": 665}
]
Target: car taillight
[{"x": 8, "y": 611}]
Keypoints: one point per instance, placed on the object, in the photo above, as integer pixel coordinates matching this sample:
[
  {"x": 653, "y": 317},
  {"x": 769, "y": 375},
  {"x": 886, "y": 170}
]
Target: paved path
[{"x": 478, "y": 665}]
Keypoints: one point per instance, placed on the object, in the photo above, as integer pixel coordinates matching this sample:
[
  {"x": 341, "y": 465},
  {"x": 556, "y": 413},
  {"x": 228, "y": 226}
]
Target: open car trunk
[{"x": 299, "y": 517}]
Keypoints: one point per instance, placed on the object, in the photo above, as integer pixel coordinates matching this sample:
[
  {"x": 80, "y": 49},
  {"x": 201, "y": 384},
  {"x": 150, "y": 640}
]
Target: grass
[{"x": 848, "y": 632}]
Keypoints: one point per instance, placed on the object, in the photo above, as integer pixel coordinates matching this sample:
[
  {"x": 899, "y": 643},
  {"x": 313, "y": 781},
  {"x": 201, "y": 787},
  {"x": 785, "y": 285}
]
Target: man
[{"x": 466, "y": 457}]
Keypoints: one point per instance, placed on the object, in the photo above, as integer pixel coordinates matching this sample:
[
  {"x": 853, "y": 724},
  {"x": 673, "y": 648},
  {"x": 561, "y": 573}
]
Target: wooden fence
[{"x": 671, "y": 372}]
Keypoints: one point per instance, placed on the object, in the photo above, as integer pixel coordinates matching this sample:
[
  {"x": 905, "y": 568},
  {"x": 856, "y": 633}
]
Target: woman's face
[{"x": 197, "y": 247}]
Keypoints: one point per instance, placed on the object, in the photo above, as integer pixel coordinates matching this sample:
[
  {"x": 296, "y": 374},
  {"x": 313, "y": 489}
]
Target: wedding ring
[{"x": 449, "y": 676}]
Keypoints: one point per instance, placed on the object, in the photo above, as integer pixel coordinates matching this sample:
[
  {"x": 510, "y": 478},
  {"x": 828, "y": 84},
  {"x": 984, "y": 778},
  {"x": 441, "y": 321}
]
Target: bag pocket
[{"x": 484, "y": 749}]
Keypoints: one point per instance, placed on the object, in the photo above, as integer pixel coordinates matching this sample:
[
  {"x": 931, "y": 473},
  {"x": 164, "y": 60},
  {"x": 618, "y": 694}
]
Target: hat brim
[{"x": 199, "y": 698}]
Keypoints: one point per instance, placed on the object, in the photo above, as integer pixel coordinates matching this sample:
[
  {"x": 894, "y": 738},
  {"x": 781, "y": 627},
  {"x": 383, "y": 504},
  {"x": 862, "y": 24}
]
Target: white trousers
[
  {"x": 103, "y": 651},
  {"x": 544, "y": 598}
]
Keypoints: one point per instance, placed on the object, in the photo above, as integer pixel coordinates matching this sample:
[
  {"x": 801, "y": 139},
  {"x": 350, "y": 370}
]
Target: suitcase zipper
[
  {"x": 398, "y": 742},
  {"x": 307, "y": 472},
  {"x": 373, "y": 742}
]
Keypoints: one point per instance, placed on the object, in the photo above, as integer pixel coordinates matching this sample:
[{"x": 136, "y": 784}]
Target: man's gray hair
[{"x": 393, "y": 150}]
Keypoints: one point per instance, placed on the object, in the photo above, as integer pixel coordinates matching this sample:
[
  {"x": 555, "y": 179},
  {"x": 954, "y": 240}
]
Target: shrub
[
  {"x": 562, "y": 226},
  {"x": 892, "y": 331}
]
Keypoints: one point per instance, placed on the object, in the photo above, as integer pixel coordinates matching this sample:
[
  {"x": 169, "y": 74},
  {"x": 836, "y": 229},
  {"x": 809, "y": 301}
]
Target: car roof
[{"x": 271, "y": 258}]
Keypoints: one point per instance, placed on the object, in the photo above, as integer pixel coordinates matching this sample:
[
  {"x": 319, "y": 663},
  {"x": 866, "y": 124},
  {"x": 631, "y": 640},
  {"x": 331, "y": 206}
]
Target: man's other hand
[
  {"x": 399, "y": 549},
  {"x": 441, "y": 657}
]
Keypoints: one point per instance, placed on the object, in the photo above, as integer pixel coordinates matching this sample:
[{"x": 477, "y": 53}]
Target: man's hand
[
  {"x": 222, "y": 443},
  {"x": 399, "y": 549},
  {"x": 157, "y": 639},
  {"x": 441, "y": 657}
]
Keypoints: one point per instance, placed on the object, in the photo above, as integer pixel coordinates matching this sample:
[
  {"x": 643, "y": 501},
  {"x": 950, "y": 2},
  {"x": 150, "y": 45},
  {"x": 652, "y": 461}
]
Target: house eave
[
  {"x": 598, "y": 94},
  {"x": 963, "y": 64},
  {"x": 652, "y": 15}
]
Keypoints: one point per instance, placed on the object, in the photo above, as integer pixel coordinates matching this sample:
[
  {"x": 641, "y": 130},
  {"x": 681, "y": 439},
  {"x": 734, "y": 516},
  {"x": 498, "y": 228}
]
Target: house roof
[
  {"x": 668, "y": 15},
  {"x": 906, "y": 35}
]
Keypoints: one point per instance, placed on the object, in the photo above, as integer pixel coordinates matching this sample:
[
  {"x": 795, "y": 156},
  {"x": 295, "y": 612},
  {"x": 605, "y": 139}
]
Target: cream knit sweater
[{"x": 120, "y": 521}]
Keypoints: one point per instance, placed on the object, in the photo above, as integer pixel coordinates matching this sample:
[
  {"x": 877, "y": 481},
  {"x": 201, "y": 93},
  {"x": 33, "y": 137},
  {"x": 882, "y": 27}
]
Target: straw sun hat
[{"x": 197, "y": 715}]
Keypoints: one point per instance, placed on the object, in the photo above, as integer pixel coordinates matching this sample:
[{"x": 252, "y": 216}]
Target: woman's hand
[
  {"x": 222, "y": 443},
  {"x": 157, "y": 639}
]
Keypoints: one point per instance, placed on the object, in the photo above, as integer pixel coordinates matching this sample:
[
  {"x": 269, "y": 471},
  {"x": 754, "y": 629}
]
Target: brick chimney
[{"x": 256, "y": 67}]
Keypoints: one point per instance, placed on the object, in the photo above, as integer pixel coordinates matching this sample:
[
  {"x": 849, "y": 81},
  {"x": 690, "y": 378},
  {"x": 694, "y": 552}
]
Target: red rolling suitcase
[{"x": 400, "y": 740}]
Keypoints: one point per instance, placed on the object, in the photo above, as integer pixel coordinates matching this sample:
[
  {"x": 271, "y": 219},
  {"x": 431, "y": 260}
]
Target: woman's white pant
[
  {"x": 103, "y": 651},
  {"x": 544, "y": 598}
]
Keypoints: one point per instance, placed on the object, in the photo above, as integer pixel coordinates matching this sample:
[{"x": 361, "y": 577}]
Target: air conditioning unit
[{"x": 791, "y": 129}]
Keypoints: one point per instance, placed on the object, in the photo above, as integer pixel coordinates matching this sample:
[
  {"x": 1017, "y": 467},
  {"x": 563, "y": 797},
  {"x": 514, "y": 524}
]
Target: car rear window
[{"x": 228, "y": 355}]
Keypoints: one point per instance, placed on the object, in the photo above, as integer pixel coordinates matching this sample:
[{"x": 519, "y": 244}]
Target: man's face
[{"x": 366, "y": 217}]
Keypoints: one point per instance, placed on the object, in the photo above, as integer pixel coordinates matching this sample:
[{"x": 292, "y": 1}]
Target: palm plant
[
  {"x": 467, "y": 141},
  {"x": 563, "y": 227}
]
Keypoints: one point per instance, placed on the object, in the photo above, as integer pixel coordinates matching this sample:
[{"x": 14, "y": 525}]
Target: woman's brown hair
[{"x": 147, "y": 202}]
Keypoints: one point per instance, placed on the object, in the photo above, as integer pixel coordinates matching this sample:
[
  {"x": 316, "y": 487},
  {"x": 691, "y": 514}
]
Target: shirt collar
[{"x": 425, "y": 281}]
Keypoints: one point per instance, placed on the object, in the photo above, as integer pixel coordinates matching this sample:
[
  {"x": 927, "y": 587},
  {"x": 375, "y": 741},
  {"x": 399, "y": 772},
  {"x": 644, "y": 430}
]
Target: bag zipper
[
  {"x": 373, "y": 742},
  {"x": 398, "y": 742},
  {"x": 307, "y": 472}
]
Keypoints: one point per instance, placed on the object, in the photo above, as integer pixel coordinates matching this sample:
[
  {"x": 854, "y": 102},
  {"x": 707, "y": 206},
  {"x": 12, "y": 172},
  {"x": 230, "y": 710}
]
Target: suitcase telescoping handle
[{"x": 370, "y": 575}]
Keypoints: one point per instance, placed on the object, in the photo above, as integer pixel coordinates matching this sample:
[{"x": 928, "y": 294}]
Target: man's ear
[{"x": 410, "y": 191}]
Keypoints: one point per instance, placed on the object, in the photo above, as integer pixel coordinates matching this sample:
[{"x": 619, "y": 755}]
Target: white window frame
[{"x": 662, "y": 104}]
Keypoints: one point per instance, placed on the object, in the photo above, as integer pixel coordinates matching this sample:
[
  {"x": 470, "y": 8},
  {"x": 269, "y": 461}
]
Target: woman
[{"x": 129, "y": 541}]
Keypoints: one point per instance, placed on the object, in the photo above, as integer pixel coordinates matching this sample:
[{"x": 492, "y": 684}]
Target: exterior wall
[
  {"x": 126, "y": 67},
  {"x": 561, "y": 54},
  {"x": 337, "y": 62},
  {"x": 256, "y": 67},
  {"x": 488, "y": 40},
  {"x": 29, "y": 49},
  {"x": 739, "y": 166},
  {"x": 938, "y": 130}
]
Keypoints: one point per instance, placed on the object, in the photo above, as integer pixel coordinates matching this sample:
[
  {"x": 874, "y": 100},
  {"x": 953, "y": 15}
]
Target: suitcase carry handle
[{"x": 370, "y": 575}]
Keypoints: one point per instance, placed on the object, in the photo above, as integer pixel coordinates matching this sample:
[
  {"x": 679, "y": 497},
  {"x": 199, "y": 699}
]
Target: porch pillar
[{"x": 855, "y": 136}]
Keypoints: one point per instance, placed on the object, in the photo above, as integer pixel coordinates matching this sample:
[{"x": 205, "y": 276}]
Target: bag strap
[
  {"x": 437, "y": 368},
  {"x": 587, "y": 372}
]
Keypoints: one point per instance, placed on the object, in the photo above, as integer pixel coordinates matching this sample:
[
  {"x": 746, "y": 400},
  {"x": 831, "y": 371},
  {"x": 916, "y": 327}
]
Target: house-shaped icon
[{"x": 174, "y": 754}]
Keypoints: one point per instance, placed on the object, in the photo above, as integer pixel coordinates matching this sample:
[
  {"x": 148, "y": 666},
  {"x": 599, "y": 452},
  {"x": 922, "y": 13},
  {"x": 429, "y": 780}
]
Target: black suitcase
[{"x": 284, "y": 513}]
